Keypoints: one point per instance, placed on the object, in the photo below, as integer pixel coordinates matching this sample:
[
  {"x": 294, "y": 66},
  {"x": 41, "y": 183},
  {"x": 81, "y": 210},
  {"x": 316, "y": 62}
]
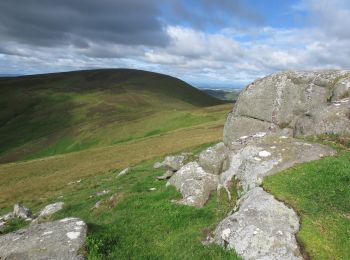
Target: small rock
[
  {"x": 97, "y": 205},
  {"x": 21, "y": 212},
  {"x": 123, "y": 172},
  {"x": 101, "y": 193},
  {"x": 166, "y": 175},
  {"x": 152, "y": 189},
  {"x": 7, "y": 217},
  {"x": 174, "y": 163},
  {"x": 51, "y": 209}
]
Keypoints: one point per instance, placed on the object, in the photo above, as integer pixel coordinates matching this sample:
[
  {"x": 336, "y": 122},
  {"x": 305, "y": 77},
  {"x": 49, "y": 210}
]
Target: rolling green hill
[
  {"x": 228, "y": 95},
  {"x": 43, "y": 115}
]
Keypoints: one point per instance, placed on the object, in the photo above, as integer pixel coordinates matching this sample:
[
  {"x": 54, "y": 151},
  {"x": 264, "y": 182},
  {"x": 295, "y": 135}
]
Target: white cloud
[{"x": 223, "y": 57}]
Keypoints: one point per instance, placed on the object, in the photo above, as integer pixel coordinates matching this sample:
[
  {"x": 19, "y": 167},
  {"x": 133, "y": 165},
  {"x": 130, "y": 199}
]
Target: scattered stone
[
  {"x": 212, "y": 159},
  {"x": 61, "y": 239},
  {"x": 74, "y": 182},
  {"x": 101, "y": 193},
  {"x": 22, "y": 212},
  {"x": 51, "y": 209},
  {"x": 97, "y": 205},
  {"x": 194, "y": 184},
  {"x": 7, "y": 217},
  {"x": 166, "y": 175},
  {"x": 123, "y": 172}
]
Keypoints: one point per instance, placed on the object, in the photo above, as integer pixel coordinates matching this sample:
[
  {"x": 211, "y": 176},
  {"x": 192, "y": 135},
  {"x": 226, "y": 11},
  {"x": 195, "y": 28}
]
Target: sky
[{"x": 208, "y": 43}]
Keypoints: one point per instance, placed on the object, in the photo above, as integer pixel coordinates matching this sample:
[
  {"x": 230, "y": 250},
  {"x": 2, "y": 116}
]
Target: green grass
[
  {"x": 142, "y": 224},
  {"x": 51, "y": 114},
  {"x": 320, "y": 192}
]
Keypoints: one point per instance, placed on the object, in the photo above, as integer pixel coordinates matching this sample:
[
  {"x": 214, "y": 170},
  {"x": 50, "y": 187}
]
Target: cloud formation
[{"x": 205, "y": 42}]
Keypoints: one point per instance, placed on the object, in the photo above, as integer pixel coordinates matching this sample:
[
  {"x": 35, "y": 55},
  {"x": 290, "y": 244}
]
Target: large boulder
[
  {"x": 62, "y": 239},
  {"x": 277, "y": 102},
  {"x": 194, "y": 184},
  {"x": 263, "y": 228},
  {"x": 212, "y": 160}
]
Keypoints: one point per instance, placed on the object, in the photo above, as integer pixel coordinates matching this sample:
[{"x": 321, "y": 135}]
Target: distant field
[
  {"x": 35, "y": 180},
  {"x": 51, "y": 114}
]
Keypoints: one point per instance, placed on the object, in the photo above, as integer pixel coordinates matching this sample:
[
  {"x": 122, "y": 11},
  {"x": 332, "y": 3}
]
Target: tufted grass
[{"x": 320, "y": 192}]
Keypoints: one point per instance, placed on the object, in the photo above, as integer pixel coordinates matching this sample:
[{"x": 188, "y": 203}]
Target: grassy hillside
[
  {"x": 50, "y": 114},
  {"x": 228, "y": 95}
]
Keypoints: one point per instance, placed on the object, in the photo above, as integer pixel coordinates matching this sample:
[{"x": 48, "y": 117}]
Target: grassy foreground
[
  {"x": 320, "y": 192},
  {"x": 139, "y": 222}
]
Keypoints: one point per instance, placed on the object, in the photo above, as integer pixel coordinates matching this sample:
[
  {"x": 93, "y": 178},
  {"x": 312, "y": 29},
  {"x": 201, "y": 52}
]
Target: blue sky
[{"x": 222, "y": 43}]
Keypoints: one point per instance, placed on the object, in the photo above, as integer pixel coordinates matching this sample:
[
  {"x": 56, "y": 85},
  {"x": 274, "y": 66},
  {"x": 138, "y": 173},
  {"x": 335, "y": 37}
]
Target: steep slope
[{"x": 56, "y": 113}]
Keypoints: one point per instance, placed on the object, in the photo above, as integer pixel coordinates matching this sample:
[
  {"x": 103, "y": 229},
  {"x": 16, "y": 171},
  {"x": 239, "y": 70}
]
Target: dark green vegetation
[
  {"x": 228, "y": 95},
  {"x": 320, "y": 193},
  {"x": 50, "y": 114}
]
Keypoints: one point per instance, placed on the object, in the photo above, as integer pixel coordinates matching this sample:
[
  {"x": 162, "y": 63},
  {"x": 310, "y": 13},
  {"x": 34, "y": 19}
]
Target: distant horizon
[{"x": 206, "y": 85}]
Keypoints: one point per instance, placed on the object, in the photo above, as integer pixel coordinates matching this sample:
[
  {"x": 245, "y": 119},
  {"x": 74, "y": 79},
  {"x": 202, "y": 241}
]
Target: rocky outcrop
[
  {"x": 62, "y": 239},
  {"x": 289, "y": 103},
  {"x": 260, "y": 227},
  {"x": 263, "y": 228},
  {"x": 259, "y": 140},
  {"x": 194, "y": 184}
]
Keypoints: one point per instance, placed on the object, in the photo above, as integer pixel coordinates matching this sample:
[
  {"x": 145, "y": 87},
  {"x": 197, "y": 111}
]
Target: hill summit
[{"x": 63, "y": 112}]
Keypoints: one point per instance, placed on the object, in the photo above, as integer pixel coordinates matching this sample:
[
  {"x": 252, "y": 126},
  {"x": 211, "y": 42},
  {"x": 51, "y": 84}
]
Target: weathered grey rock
[
  {"x": 123, "y": 172},
  {"x": 51, "y": 209},
  {"x": 258, "y": 157},
  {"x": 22, "y": 212},
  {"x": 331, "y": 119},
  {"x": 61, "y": 239},
  {"x": 277, "y": 102},
  {"x": 212, "y": 159},
  {"x": 7, "y": 217},
  {"x": 262, "y": 228},
  {"x": 194, "y": 184},
  {"x": 174, "y": 162},
  {"x": 166, "y": 175}
]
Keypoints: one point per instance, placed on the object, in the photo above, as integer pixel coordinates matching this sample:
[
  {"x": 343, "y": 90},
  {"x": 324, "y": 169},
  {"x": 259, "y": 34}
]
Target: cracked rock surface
[
  {"x": 290, "y": 103},
  {"x": 194, "y": 184},
  {"x": 263, "y": 228},
  {"x": 62, "y": 239}
]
